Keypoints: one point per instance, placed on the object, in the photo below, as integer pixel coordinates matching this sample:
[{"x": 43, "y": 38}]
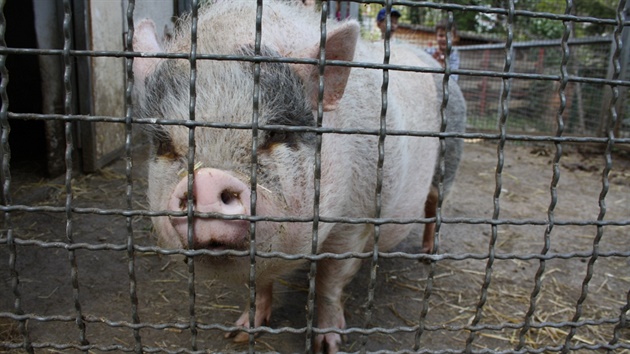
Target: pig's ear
[
  {"x": 145, "y": 40},
  {"x": 340, "y": 45}
]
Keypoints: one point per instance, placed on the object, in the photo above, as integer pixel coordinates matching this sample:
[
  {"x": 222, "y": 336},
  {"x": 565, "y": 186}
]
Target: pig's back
[
  {"x": 409, "y": 161},
  {"x": 288, "y": 27}
]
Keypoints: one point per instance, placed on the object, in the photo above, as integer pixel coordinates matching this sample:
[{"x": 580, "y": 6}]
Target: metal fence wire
[
  {"x": 531, "y": 108},
  {"x": 534, "y": 271}
]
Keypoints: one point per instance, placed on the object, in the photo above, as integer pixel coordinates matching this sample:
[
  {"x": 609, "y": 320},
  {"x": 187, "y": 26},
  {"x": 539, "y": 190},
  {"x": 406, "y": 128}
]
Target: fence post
[
  {"x": 484, "y": 83},
  {"x": 623, "y": 90},
  {"x": 620, "y": 106}
]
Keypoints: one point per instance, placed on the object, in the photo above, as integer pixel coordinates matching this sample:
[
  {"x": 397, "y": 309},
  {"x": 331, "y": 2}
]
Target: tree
[{"x": 524, "y": 27}]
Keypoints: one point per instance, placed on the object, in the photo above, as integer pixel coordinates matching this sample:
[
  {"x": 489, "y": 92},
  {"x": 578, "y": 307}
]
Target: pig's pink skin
[
  {"x": 348, "y": 161},
  {"x": 214, "y": 191},
  {"x": 173, "y": 231}
]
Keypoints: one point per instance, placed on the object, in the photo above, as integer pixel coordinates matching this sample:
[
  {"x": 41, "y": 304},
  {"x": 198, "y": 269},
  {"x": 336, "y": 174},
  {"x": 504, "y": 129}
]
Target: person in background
[
  {"x": 381, "y": 22},
  {"x": 439, "y": 52}
]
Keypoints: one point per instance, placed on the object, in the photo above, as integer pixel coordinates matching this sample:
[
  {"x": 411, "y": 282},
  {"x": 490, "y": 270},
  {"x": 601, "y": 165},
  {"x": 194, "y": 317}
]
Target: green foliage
[
  {"x": 599, "y": 9},
  {"x": 524, "y": 27},
  {"x": 544, "y": 28},
  {"x": 416, "y": 15}
]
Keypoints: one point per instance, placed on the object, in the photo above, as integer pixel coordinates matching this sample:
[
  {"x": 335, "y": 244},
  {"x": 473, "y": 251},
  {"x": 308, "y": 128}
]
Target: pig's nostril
[{"x": 228, "y": 197}]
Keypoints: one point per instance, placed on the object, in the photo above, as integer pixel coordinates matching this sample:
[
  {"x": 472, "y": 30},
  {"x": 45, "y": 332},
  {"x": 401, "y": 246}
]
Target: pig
[{"x": 286, "y": 160}]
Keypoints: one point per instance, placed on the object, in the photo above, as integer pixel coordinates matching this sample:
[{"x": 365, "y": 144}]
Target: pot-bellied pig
[{"x": 286, "y": 159}]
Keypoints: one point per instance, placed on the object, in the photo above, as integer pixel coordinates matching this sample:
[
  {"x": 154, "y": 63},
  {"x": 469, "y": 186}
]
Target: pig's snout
[{"x": 214, "y": 191}]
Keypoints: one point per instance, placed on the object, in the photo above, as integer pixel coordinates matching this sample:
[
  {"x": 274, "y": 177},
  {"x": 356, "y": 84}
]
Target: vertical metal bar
[
  {"x": 68, "y": 105},
  {"x": 623, "y": 313},
  {"x": 622, "y": 102},
  {"x": 564, "y": 80},
  {"x": 369, "y": 306},
  {"x": 83, "y": 101},
  {"x": 133, "y": 295},
  {"x": 441, "y": 168},
  {"x": 503, "y": 115},
  {"x": 443, "y": 118},
  {"x": 484, "y": 83},
  {"x": 610, "y": 135},
  {"x": 6, "y": 185},
  {"x": 623, "y": 321},
  {"x": 254, "y": 176},
  {"x": 316, "y": 181},
  {"x": 191, "y": 172}
]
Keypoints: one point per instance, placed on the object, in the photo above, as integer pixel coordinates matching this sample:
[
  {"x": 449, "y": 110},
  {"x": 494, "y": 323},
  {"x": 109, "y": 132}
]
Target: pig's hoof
[
  {"x": 327, "y": 343},
  {"x": 241, "y": 337}
]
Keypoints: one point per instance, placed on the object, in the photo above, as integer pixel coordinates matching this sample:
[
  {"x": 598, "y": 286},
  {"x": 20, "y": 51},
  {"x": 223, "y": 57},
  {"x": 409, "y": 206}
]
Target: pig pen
[{"x": 476, "y": 296}]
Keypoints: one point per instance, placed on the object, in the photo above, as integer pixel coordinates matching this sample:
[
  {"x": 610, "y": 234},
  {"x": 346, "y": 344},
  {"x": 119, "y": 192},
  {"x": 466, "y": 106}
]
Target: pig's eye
[
  {"x": 275, "y": 137},
  {"x": 278, "y": 136},
  {"x": 164, "y": 148},
  {"x": 162, "y": 143}
]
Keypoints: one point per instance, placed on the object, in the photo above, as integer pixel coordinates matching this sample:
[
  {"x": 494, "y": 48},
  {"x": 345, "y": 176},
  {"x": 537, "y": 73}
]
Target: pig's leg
[
  {"x": 332, "y": 277},
  {"x": 264, "y": 296},
  {"x": 430, "y": 211}
]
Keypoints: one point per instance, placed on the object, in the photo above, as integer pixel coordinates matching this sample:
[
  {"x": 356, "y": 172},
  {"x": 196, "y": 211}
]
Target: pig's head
[{"x": 284, "y": 158}]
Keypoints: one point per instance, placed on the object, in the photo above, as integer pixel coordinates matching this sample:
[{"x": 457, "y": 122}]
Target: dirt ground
[{"x": 453, "y": 285}]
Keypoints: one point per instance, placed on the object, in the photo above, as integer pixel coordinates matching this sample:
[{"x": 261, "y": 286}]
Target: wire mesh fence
[
  {"x": 532, "y": 104},
  {"x": 533, "y": 247}
]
